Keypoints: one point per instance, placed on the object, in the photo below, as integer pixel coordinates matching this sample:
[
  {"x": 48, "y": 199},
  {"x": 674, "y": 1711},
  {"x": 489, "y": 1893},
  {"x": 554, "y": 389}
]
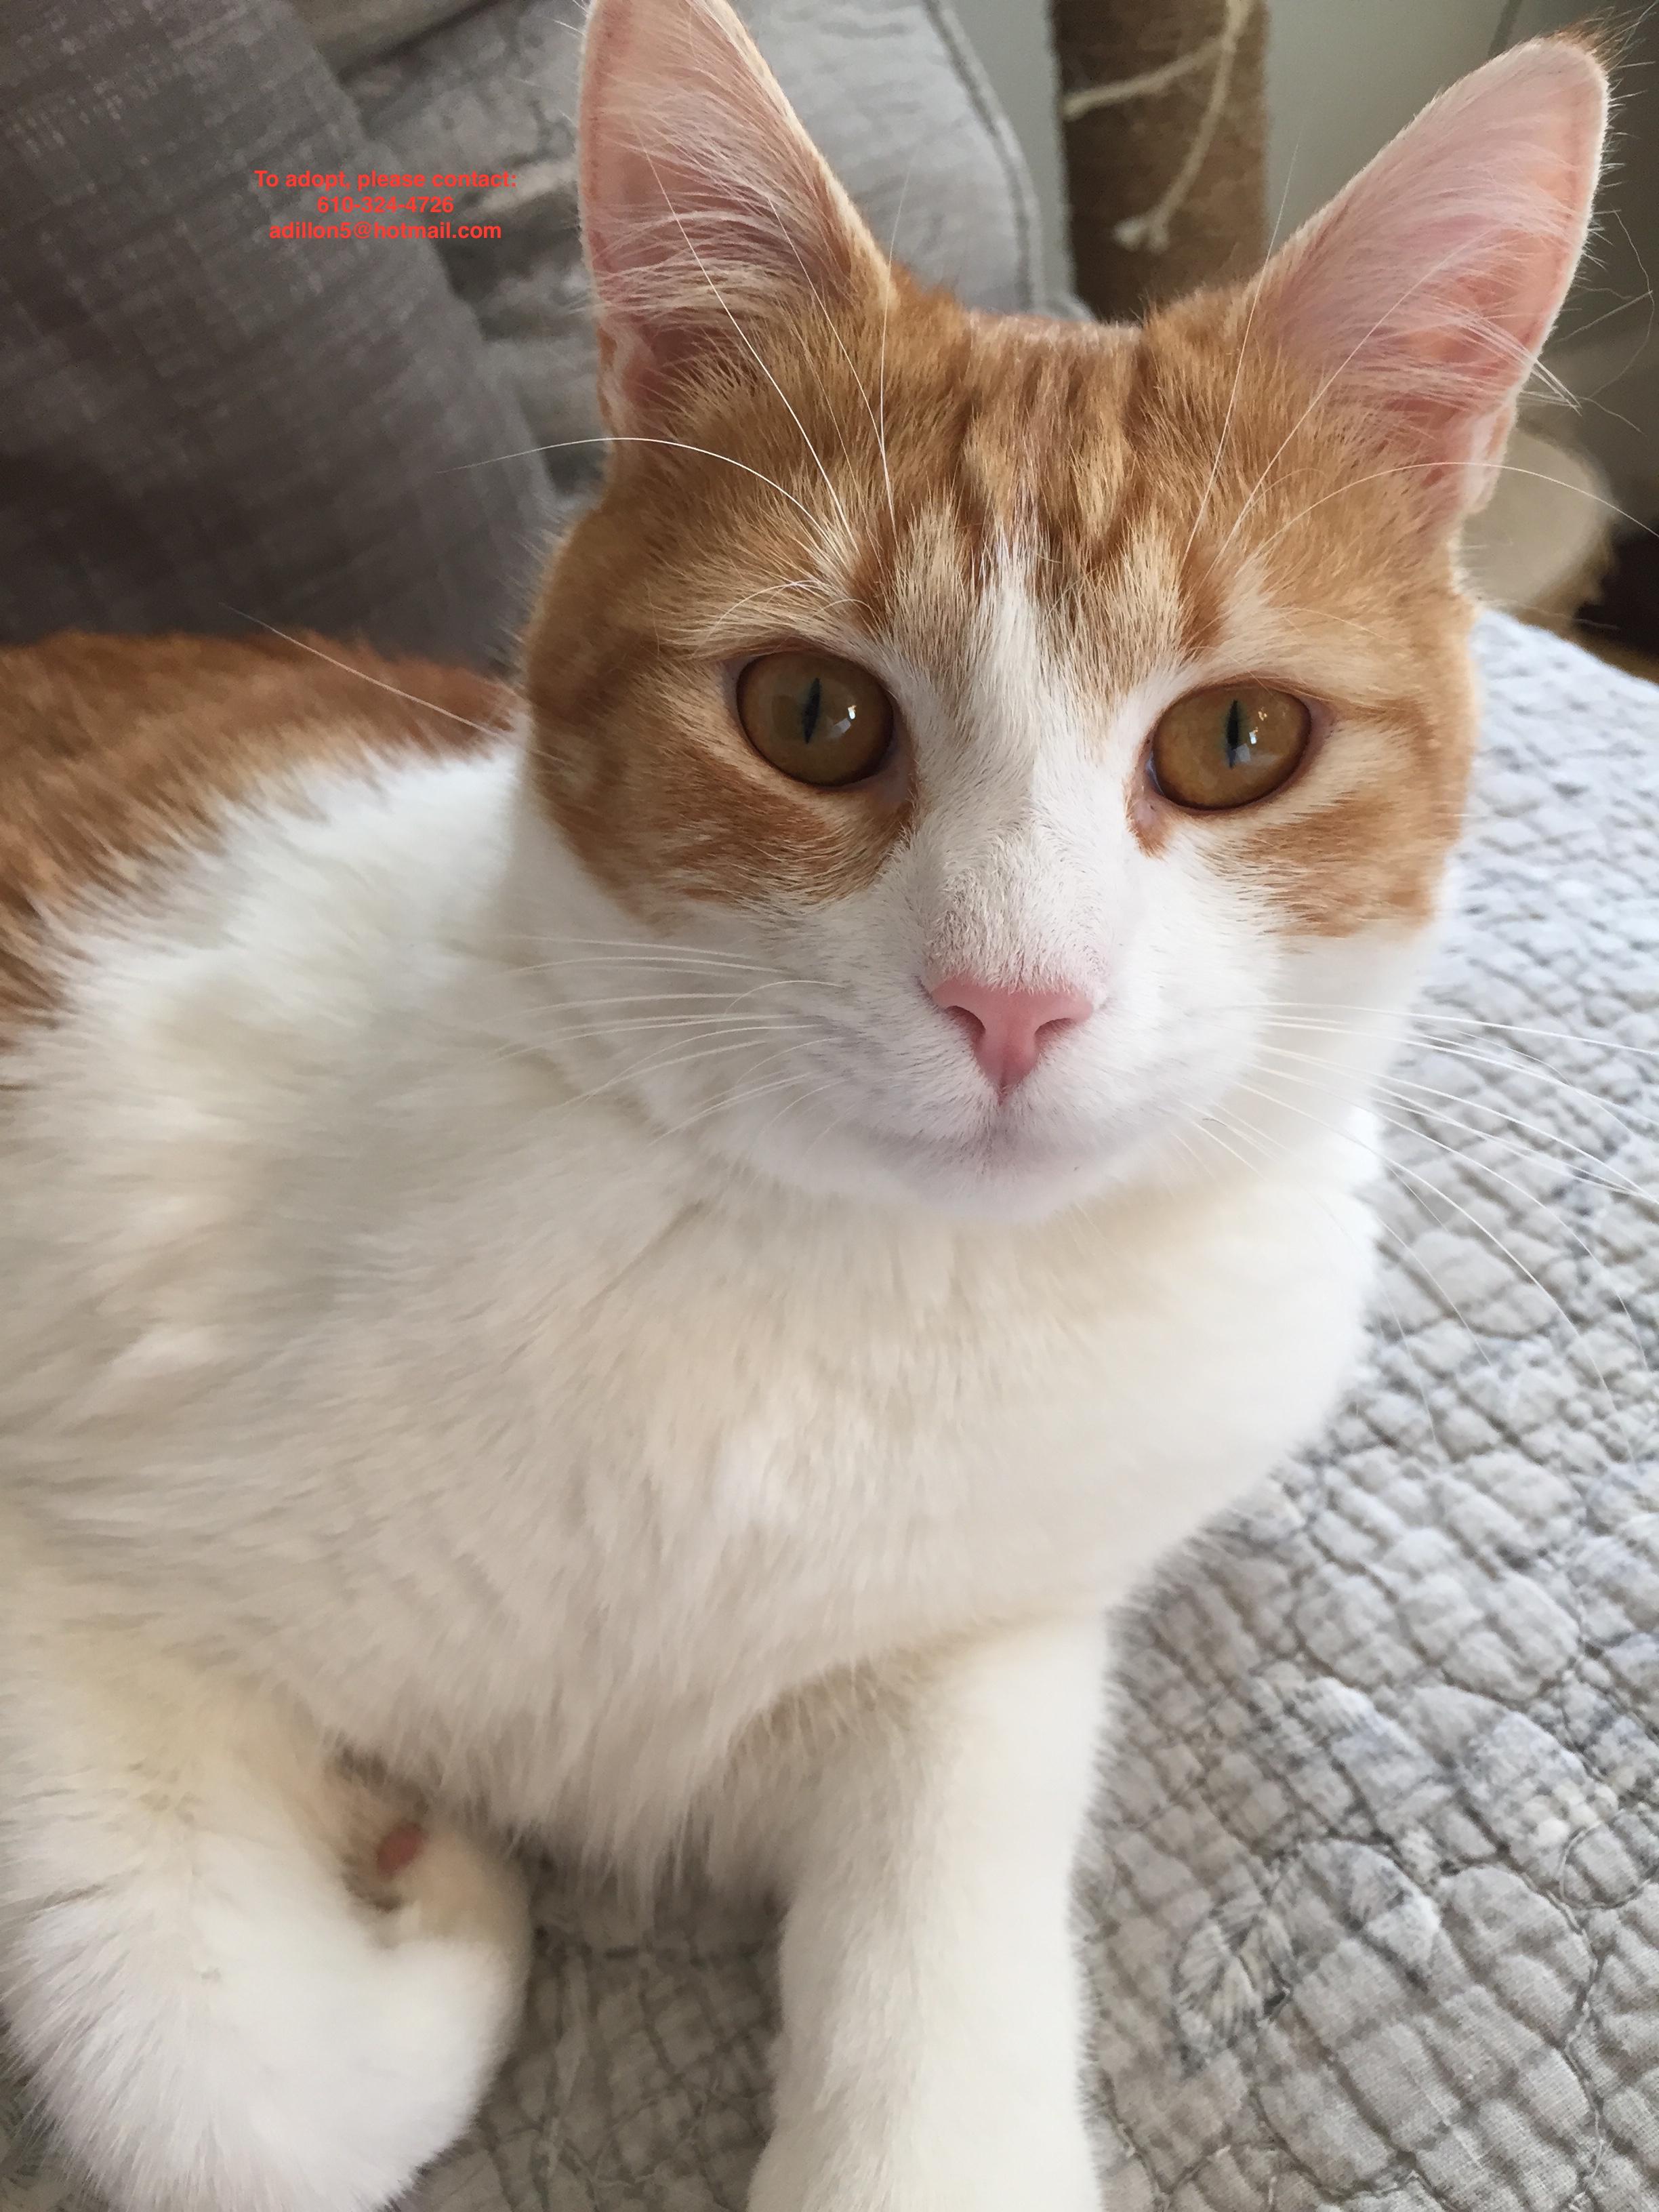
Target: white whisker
[
  {"x": 881, "y": 378},
  {"x": 1478, "y": 1166},
  {"x": 835, "y": 332},
  {"x": 752, "y": 348},
  {"x": 640, "y": 998},
  {"x": 650, "y": 1024},
  {"x": 1398, "y": 1168},
  {"x": 674, "y": 445},
  {"x": 1402, "y": 1336},
  {"x": 1328, "y": 385},
  {"x": 734, "y": 1098},
  {"x": 1238, "y": 368},
  {"x": 1402, "y": 1087},
  {"x": 1534, "y": 1071},
  {"x": 427, "y": 705},
  {"x": 1495, "y": 468},
  {"x": 1426, "y": 1013}
]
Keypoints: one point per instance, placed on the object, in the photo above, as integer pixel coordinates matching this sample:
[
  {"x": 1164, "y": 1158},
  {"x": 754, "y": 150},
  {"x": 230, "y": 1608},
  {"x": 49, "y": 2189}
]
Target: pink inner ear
[
  {"x": 1426, "y": 289},
  {"x": 705, "y": 205}
]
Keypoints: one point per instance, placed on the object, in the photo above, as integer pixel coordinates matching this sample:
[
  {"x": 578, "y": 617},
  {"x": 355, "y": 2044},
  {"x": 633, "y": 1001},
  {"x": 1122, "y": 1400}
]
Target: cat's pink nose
[{"x": 1010, "y": 1031}]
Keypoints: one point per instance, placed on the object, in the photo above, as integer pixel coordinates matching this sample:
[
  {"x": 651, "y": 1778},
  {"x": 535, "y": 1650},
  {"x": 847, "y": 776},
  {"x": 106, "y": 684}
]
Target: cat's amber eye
[
  {"x": 816, "y": 718},
  {"x": 1225, "y": 747}
]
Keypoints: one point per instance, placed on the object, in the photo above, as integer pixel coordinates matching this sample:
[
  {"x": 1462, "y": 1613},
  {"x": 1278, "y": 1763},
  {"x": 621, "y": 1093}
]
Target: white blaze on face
[{"x": 1018, "y": 871}]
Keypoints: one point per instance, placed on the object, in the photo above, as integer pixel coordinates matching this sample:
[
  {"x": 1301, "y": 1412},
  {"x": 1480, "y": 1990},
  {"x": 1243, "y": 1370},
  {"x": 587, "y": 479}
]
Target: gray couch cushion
[
  {"x": 891, "y": 92},
  {"x": 349, "y": 32},
  {"x": 200, "y": 423}
]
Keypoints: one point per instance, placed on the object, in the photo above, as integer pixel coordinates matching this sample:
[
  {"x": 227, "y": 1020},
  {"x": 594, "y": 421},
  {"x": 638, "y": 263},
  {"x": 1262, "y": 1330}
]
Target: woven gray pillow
[{"x": 201, "y": 425}]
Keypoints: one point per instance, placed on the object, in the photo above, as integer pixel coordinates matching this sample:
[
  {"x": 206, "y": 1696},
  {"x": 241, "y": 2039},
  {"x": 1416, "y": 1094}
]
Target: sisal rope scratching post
[{"x": 1165, "y": 126}]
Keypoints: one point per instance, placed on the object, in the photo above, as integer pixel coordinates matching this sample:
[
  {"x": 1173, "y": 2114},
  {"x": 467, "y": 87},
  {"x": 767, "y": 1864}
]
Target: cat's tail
[{"x": 245, "y": 1982}]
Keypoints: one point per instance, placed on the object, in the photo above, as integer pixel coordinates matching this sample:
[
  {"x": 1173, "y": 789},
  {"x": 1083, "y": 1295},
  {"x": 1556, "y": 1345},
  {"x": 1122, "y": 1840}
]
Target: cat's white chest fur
[
  {"x": 773, "y": 1447},
  {"x": 530, "y": 1453}
]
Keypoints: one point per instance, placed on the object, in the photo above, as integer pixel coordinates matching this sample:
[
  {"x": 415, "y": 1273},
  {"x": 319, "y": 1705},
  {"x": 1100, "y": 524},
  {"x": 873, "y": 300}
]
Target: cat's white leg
[
  {"x": 930, "y": 2052},
  {"x": 243, "y": 1982}
]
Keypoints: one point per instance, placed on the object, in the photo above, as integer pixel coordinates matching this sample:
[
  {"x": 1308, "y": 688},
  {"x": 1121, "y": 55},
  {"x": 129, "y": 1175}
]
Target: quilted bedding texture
[{"x": 1371, "y": 1907}]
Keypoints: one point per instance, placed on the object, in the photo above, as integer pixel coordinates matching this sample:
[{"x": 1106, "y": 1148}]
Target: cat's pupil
[
  {"x": 1238, "y": 743},
  {"x": 809, "y": 709}
]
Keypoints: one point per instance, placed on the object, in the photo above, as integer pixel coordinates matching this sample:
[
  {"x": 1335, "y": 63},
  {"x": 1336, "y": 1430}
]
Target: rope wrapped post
[{"x": 1165, "y": 125}]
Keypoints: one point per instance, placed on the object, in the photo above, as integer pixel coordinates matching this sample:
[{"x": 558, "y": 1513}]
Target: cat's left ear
[
  {"x": 1424, "y": 292},
  {"x": 706, "y": 208}
]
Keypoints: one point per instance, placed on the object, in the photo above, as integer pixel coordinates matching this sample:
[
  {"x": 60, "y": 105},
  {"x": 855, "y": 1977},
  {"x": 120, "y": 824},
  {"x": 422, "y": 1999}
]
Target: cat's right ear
[
  {"x": 1424, "y": 292},
  {"x": 706, "y": 208}
]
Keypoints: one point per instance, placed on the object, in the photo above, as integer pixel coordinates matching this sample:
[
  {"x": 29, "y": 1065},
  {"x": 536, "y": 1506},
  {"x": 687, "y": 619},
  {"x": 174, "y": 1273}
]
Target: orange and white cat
[{"x": 633, "y": 1269}]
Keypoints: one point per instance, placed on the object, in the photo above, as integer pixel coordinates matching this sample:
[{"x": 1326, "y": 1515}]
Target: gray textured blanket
[{"x": 1372, "y": 1906}]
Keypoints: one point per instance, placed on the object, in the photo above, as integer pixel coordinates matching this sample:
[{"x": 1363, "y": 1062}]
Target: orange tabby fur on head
[
  {"x": 1081, "y": 454},
  {"x": 637, "y": 1265}
]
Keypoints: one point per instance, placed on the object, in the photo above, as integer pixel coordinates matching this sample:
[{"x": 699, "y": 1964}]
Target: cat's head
[{"x": 995, "y": 758}]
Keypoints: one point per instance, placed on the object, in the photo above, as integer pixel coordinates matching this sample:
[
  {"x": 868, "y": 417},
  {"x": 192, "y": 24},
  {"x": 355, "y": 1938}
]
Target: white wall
[
  {"x": 1013, "y": 41},
  {"x": 1343, "y": 76}
]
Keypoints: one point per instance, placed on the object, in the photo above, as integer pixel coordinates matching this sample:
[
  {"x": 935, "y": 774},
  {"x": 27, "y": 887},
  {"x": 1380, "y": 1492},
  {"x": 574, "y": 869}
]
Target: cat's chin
[{"x": 997, "y": 1174}]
